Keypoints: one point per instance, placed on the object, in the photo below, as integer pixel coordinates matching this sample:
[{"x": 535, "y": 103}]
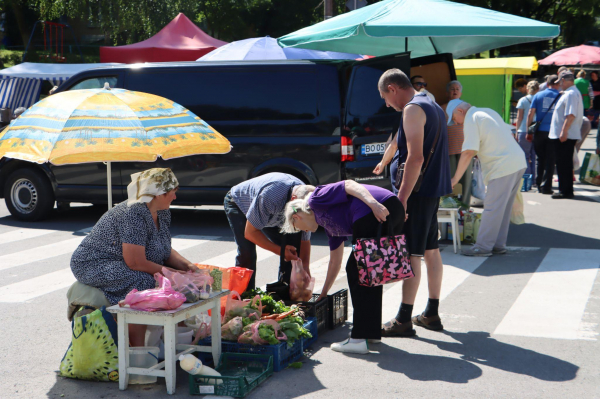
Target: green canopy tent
[{"x": 423, "y": 27}]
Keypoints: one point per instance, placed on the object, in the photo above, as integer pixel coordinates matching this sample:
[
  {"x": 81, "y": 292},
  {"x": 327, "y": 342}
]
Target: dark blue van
[{"x": 321, "y": 121}]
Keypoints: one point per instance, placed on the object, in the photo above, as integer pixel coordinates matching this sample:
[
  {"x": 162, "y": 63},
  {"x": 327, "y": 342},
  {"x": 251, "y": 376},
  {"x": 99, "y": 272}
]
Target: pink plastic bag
[
  {"x": 301, "y": 284},
  {"x": 152, "y": 300},
  {"x": 243, "y": 308}
]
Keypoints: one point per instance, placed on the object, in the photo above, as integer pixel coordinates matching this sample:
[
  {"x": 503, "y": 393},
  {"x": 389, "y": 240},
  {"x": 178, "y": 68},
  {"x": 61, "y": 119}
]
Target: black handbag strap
[
  {"x": 435, "y": 140},
  {"x": 380, "y": 227},
  {"x": 550, "y": 107}
]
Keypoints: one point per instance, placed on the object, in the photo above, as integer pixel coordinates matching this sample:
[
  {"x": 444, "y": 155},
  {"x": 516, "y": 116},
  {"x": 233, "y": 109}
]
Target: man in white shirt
[
  {"x": 565, "y": 130},
  {"x": 503, "y": 164}
]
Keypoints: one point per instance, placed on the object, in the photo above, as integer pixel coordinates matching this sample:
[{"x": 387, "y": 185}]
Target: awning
[
  {"x": 20, "y": 85},
  {"x": 496, "y": 66},
  {"x": 19, "y": 92}
]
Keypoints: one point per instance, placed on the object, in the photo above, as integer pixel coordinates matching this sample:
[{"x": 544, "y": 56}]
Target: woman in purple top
[{"x": 348, "y": 209}]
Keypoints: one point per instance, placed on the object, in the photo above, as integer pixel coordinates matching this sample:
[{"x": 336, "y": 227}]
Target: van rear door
[{"x": 368, "y": 123}]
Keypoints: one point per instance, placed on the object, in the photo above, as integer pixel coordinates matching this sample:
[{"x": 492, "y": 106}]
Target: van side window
[
  {"x": 364, "y": 95},
  {"x": 236, "y": 95},
  {"x": 95, "y": 83}
]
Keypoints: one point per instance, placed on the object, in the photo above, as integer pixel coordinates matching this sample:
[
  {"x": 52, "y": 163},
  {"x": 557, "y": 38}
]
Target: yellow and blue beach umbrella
[{"x": 108, "y": 125}]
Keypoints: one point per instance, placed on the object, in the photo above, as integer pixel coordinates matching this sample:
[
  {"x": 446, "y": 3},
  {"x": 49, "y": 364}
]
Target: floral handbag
[{"x": 382, "y": 260}]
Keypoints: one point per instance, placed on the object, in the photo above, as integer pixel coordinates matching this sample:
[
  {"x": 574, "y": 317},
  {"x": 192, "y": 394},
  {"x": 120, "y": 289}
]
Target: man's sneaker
[
  {"x": 475, "y": 252},
  {"x": 393, "y": 328},
  {"x": 346, "y": 346},
  {"x": 499, "y": 251},
  {"x": 431, "y": 323}
]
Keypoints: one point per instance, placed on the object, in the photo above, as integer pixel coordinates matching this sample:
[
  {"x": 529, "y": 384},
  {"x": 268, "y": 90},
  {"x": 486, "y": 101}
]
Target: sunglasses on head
[{"x": 420, "y": 84}]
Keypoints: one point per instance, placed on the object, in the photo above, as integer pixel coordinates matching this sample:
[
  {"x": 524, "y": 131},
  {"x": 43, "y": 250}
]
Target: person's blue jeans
[
  {"x": 246, "y": 250},
  {"x": 529, "y": 151}
]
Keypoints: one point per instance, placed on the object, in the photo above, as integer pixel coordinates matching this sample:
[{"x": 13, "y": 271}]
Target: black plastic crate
[
  {"x": 314, "y": 309},
  {"x": 337, "y": 307}
]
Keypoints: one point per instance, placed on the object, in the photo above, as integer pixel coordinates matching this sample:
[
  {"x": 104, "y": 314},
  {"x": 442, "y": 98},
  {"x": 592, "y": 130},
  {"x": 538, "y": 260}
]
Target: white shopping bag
[{"x": 477, "y": 186}]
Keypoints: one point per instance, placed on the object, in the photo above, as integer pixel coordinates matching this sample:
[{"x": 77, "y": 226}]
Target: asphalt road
[{"x": 522, "y": 325}]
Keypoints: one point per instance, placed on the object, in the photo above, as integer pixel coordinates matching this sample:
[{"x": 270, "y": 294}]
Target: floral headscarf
[{"x": 148, "y": 184}]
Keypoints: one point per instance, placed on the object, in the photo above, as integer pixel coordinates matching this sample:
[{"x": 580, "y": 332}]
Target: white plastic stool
[{"x": 450, "y": 215}]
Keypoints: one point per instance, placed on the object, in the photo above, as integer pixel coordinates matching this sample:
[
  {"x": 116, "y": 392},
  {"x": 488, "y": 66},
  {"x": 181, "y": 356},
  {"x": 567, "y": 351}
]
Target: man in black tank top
[{"x": 422, "y": 129}]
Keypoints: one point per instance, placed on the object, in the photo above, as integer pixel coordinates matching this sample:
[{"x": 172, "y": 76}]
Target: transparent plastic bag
[
  {"x": 232, "y": 330},
  {"x": 152, "y": 300},
  {"x": 195, "y": 286},
  {"x": 301, "y": 284},
  {"x": 243, "y": 308}
]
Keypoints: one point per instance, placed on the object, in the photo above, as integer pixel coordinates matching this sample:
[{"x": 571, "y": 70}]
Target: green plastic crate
[{"x": 240, "y": 374}]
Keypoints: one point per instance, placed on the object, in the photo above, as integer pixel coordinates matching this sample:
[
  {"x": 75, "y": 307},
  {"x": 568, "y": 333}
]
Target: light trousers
[{"x": 497, "y": 207}]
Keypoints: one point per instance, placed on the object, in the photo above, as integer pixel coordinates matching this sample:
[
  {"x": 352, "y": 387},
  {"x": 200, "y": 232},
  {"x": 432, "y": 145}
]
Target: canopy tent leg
[
  {"x": 433, "y": 44},
  {"x": 109, "y": 184},
  {"x": 406, "y": 44}
]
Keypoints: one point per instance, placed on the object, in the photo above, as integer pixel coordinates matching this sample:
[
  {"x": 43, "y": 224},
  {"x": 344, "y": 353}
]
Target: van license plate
[{"x": 375, "y": 148}]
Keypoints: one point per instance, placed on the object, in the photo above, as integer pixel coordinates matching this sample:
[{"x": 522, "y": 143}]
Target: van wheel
[{"x": 28, "y": 195}]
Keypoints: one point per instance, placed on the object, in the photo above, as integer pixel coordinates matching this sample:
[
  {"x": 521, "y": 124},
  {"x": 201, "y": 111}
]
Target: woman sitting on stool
[{"x": 131, "y": 242}]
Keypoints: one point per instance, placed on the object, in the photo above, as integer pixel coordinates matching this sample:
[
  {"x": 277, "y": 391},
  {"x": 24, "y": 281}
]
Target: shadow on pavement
[
  {"x": 480, "y": 348},
  {"x": 422, "y": 367},
  {"x": 532, "y": 235}
]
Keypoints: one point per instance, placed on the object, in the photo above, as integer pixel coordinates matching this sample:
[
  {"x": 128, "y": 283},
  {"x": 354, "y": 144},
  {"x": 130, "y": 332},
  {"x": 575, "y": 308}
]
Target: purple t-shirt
[{"x": 336, "y": 211}]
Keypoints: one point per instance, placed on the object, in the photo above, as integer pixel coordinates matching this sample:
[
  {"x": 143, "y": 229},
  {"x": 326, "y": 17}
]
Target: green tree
[{"x": 127, "y": 21}]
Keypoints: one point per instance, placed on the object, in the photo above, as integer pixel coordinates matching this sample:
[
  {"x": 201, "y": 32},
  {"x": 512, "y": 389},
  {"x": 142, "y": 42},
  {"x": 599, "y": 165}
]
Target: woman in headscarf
[{"x": 131, "y": 242}]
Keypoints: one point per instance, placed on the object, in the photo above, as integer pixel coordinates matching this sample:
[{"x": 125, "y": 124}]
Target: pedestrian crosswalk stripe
[
  {"x": 595, "y": 195},
  {"x": 553, "y": 302},
  {"x": 456, "y": 270},
  {"x": 40, "y": 253},
  {"x": 23, "y": 234},
  {"x": 35, "y": 287},
  {"x": 228, "y": 258},
  {"x": 183, "y": 242}
]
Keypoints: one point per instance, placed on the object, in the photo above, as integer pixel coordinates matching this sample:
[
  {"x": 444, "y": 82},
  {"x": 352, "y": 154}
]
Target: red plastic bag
[
  {"x": 152, "y": 300},
  {"x": 301, "y": 284}
]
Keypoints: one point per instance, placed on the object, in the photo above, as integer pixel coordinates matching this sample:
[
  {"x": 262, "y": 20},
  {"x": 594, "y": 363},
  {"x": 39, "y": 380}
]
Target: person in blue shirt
[{"x": 542, "y": 107}]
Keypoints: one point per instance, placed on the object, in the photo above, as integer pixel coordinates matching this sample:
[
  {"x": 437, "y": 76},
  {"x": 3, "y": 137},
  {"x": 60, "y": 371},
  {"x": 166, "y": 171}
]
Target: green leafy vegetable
[
  {"x": 293, "y": 328},
  {"x": 296, "y": 365},
  {"x": 267, "y": 332}
]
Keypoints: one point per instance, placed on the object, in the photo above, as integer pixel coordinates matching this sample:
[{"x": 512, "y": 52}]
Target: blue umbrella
[
  {"x": 423, "y": 27},
  {"x": 266, "y": 48}
]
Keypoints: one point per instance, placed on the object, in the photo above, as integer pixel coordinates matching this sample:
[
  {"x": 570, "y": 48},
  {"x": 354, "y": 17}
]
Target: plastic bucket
[
  {"x": 144, "y": 357},
  {"x": 184, "y": 335}
]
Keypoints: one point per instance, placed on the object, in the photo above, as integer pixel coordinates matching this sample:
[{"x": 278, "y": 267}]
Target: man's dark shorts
[{"x": 421, "y": 227}]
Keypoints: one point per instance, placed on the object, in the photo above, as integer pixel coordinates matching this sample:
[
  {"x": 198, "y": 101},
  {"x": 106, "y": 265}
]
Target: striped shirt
[{"x": 263, "y": 199}]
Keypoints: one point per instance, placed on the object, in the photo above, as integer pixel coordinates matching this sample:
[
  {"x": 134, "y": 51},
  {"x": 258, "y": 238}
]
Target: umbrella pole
[{"x": 109, "y": 184}]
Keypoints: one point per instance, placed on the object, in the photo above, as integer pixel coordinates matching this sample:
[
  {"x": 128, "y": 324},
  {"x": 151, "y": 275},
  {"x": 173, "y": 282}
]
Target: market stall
[
  {"x": 20, "y": 85},
  {"x": 488, "y": 82},
  {"x": 180, "y": 40}
]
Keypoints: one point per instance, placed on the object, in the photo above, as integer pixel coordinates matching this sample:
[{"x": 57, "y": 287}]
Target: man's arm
[
  {"x": 463, "y": 164},
  {"x": 388, "y": 155},
  {"x": 564, "y": 133},
  {"x": 305, "y": 255},
  {"x": 414, "y": 129},
  {"x": 520, "y": 114},
  {"x": 257, "y": 237},
  {"x": 335, "y": 263},
  {"x": 357, "y": 190}
]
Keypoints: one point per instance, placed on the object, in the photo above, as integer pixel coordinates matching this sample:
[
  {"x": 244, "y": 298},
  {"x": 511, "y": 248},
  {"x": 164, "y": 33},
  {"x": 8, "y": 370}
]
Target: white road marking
[
  {"x": 23, "y": 234},
  {"x": 595, "y": 195},
  {"x": 318, "y": 269},
  {"x": 553, "y": 302},
  {"x": 453, "y": 277},
  {"x": 183, "y": 242},
  {"x": 35, "y": 287},
  {"x": 40, "y": 253},
  {"x": 228, "y": 258}
]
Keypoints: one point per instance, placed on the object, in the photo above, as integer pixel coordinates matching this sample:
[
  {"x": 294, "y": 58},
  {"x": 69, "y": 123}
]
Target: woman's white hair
[{"x": 292, "y": 207}]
